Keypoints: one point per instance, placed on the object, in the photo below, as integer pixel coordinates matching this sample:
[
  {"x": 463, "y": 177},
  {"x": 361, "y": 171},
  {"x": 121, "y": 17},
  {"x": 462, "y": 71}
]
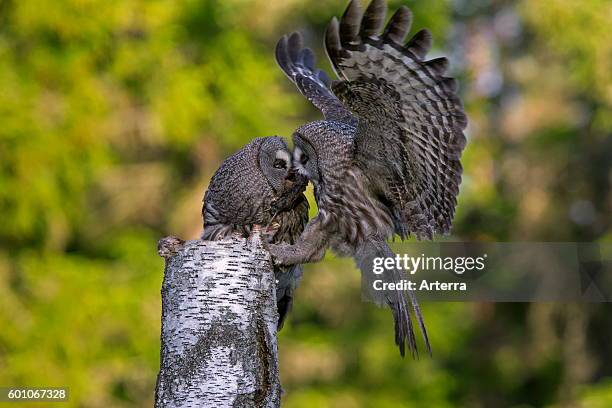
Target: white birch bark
[{"x": 218, "y": 339}]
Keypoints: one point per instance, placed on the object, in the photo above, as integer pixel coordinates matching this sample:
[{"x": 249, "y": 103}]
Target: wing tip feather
[
  {"x": 332, "y": 38},
  {"x": 373, "y": 19},
  {"x": 350, "y": 23},
  {"x": 399, "y": 25},
  {"x": 420, "y": 43}
]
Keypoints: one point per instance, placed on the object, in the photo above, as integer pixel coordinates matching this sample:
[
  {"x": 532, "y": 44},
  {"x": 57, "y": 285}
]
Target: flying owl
[
  {"x": 257, "y": 186},
  {"x": 385, "y": 160}
]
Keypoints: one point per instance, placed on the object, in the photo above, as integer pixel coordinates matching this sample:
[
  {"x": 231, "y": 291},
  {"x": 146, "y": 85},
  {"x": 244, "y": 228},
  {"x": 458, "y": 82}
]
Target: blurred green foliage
[{"x": 114, "y": 115}]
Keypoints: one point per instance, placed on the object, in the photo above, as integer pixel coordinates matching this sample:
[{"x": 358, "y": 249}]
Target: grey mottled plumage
[
  {"x": 385, "y": 160},
  {"x": 256, "y": 186}
]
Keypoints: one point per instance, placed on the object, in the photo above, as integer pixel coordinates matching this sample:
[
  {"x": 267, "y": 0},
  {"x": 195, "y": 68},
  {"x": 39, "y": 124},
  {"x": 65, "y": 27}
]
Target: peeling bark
[{"x": 218, "y": 340}]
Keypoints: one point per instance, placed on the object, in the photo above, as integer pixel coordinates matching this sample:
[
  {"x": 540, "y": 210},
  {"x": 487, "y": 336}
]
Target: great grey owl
[
  {"x": 385, "y": 160},
  {"x": 257, "y": 186}
]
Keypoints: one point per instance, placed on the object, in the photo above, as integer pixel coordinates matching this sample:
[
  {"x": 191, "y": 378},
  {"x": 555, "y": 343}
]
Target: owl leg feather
[{"x": 310, "y": 247}]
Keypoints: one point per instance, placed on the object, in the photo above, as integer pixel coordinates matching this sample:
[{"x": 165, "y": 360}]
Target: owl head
[
  {"x": 274, "y": 159},
  {"x": 249, "y": 182},
  {"x": 320, "y": 148}
]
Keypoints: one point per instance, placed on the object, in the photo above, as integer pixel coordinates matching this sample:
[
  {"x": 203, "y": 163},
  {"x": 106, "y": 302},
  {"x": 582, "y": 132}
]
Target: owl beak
[
  {"x": 295, "y": 180},
  {"x": 291, "y": 174}
]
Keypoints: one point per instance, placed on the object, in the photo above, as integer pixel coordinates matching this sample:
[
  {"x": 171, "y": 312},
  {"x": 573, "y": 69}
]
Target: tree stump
[{"x": 219, "y": 317}]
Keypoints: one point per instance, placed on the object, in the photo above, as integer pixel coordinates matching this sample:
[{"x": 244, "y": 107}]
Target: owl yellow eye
[{"x": 279, "y": 164}]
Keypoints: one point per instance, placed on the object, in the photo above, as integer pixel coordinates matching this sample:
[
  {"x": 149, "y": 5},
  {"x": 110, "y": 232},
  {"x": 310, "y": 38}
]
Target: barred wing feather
[{"x": 411, "y": 120}]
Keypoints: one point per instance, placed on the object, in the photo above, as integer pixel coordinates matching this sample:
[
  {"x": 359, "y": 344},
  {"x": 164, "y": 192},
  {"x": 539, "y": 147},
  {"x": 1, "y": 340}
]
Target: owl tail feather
[
  {"x": 399, "y": 301},
  {"x": 287, "y": 279}
]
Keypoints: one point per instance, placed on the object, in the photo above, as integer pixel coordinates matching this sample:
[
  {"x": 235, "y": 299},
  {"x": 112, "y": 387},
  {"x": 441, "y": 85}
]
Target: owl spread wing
[
  {"x": 298, "y": 63},
  {"x": 410, "y": 119}
]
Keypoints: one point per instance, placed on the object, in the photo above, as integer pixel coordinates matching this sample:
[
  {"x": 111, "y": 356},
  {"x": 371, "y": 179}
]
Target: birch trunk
[{"x": 219, "y": 317}]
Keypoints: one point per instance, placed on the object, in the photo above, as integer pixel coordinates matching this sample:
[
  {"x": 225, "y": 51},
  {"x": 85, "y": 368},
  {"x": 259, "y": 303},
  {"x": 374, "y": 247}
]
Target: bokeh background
[{"x": 114, "y": 115}]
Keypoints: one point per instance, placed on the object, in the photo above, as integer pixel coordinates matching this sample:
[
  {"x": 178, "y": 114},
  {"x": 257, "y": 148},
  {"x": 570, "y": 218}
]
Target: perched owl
[
  {"x": 258, "y": 187},
  {"x": 385, "y": 160}
]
